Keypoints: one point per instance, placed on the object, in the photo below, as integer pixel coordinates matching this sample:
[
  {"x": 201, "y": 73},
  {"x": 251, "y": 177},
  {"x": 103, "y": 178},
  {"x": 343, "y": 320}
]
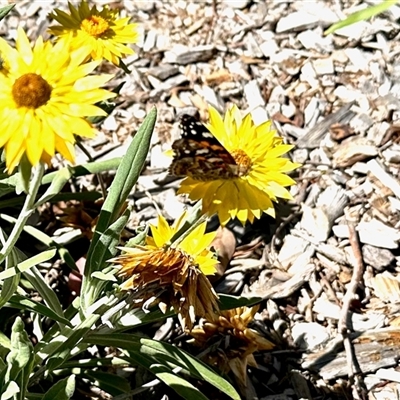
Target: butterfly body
[{"x": 200, "y": 155}]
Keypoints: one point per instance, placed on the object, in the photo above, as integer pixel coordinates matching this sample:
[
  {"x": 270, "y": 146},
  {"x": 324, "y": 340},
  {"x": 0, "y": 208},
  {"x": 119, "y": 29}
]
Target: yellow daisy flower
[
  {"x": 176, "y": 269},
  {"x": 259, "y": 177},
  {"x": 101, "y": 30},
  {"x": 45, "y": 95}
]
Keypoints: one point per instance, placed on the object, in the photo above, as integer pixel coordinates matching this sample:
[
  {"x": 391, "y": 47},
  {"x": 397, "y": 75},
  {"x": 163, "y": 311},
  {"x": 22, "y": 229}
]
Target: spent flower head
[
  {"x": 238, "y": 341},
  {"x": 102, "y": 31},
  {"x": 259, "y": 174},
  {"x": 46, "y": 92},
  {"x": 178, "y": 270}
]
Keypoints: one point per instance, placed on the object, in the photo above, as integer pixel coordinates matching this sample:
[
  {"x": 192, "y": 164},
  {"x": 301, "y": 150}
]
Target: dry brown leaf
[
  {"x": 218, "y": 77},
  {"x": 225, "y": 245}
]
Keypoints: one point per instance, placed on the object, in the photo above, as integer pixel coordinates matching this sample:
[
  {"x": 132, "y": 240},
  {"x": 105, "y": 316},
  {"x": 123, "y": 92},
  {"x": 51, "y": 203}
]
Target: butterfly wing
[{"x": 199, "y": 154}]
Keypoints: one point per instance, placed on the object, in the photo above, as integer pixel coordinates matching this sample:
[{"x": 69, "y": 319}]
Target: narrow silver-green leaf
[
  {"x": 23, "y": 303},
  {"x": 125, "y": 178},
  {"x": 8, "y": 183},
  {"x": 48, "y": 294},
  {"x": 166, "y": 352},
  {"x": 5, "y": 10},
  {"x": 10, "y": 285},
  {"x": 71, "y": 338},
  {"x": 155, "y": 352},
  {"x": 361, "y": 15},
  {"x": 11, "y": 389},
  {"x": 95, "y": 167},
  {"x": 27, "y": 264},
  {"x": 105, "y": 249},
  {"x": 62, "y": 390},
  {"x": 20, "y": 358},
  {"x": 128, "y": 173},
  {"x": 110, "y": 383},
  {"x": 184, "y": 388},
  {"x": 57, "y": 184}
]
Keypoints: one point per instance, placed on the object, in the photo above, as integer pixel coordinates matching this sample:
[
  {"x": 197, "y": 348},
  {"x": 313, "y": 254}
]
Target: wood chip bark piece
[
  {"x": 309, "y": 335},
  {"x": 314, "y": 136},
  {"x": 377, "y": 170},
  {"x": 297, "y": 21},
  {"x": 358, "y": 322},
  {"x": 316, "y": 223},
  {"x": 370, "y": 357},
  {"x": 253, "y": 94},
  {"x": 386, "y": 287},
  {"x": 332, "y": 201},
  {"x": 377, "y": 258},
  {"x": 195, "y": 55},
  {"x": 353, "y": 150},
  {"x": 373, "y": 232},
  {"x": 292, "y": 248},
  {"x": 373, "y": 350},
  {"x": 285, "y": 289},
  {"x": 163, "y": 71}
]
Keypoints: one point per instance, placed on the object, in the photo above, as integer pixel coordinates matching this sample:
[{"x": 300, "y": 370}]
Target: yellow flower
[
  {"x": 237, "y": 341},
  {"x": 260, "y": 176},
  {"x": 45, "y": 95},
  {"x": 101, "y": 30},
  {"x": 176, "y": 269}
]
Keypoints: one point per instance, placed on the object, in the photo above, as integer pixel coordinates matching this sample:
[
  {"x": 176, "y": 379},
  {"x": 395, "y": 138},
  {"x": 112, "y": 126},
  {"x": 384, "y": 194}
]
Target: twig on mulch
[{"x": 354, "y": 372}]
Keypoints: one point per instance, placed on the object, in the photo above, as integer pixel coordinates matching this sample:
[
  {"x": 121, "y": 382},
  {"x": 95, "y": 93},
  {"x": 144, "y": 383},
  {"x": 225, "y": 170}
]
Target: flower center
[
  {"x": 95, "y": 25},
  {"x": 31, "y": 90},
  {"x": 243, "y": 162}
]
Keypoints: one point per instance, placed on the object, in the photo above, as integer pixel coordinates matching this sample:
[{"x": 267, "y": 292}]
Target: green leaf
[
  {"x": 47, "y": 240},
  {"x": 11, "y": 389},
  {"x": 101, "y": 276},
  {"x": 62, "y": 390},
  {"x": 150, "y": 352},
  {"x": 125, "y": 178},
  {"x": 48, "y": 294},
  {"x": 227, "y": 302},
  {"x": 8, "y": 183},
  {"x": 175, "y": 382},
  {"x": 95, "y": 167},
  {"x": 123, "y": 319},
  {"x": 361, "y": 15},
  {"x": 27, "y": 264},
  {"x": 190, "y": 223},
  {"x": 10, "y": 285},
  {"x": 59, "y": 181},
  {"x": 26, "y": 304},
  {"x": 166, "y": 352},
  {"x": 110, "y": 383},
  {"x": 127, "y": 174},
  {"x": 59, "y": 349},
  {"x": 25, "y": 170},
  {"x": 139, "y": 239},
  {"x": 104, "y": 249},
  {"x": 5, "y": 341},
  {"x": 21, "y": 347},
  {"x": 5, "y": 10},
  {"x": 96, "y": 363},
  {"x": 19, "y": 359}
]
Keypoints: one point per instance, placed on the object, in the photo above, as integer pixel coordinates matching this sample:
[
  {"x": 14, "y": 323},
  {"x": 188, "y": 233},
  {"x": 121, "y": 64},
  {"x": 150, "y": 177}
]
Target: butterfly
[{"x": 199, "y": 155}]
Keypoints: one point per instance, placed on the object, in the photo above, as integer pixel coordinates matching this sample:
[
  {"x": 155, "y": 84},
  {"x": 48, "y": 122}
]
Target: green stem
[
  {"x": 192, "y": 222},
  {"x": 25, "y": 213}
]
